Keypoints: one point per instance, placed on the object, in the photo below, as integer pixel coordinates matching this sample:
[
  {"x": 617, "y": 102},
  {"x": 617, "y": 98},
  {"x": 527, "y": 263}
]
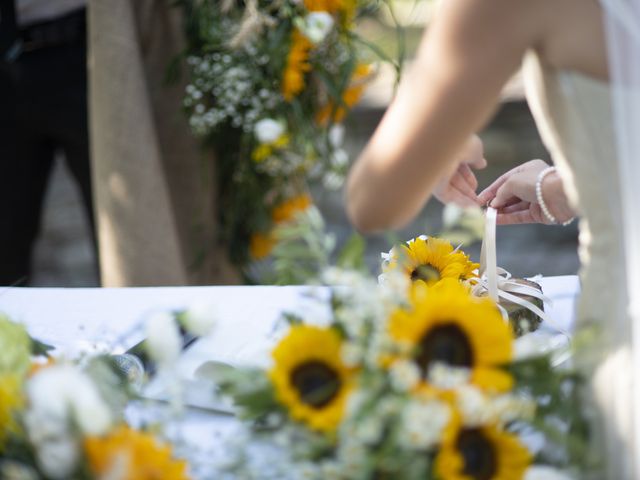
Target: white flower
[
  {"x": 473, "y": 405},
  {"x": 163, "y": 338},
  {"x": 200, "y": 318},
  {"x": 451, "y": 215},
  {"x": 62, "y": 394},
  {"x": 61, "y": 398},
  {"x": 543, "y": 472},
  {"x": 508, "y": 408},
  {"x": 351, "y": 354},
  {"x": 369, "y": 430},
  {"x": 404, "y": 375},
  {"x": 423, "y": 423},
  {"x": 268, "y": 130},
  {"x": 446, "y": 377},
  {"x": 336, "y": 135},
  {"x": 316, "y": 26},
  {"x": 58, "y": 458},
  {"x": 340, "y": 158}
]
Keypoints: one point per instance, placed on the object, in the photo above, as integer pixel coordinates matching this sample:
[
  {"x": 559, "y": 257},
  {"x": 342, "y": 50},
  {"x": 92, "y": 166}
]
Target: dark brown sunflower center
[
  {"x": 425, "y": 272},
  {"x": 316, "y": 383},
  {"x": 478, "y": 453},
  {"x": 446, "y": 344}
]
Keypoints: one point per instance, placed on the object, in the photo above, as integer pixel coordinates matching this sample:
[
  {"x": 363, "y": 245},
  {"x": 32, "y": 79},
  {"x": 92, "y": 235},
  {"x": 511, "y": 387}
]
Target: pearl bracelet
[{"x": 543, "y": 206}]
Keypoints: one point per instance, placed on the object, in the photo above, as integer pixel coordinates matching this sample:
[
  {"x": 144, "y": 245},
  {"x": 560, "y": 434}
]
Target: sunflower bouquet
[
  {"x": 270, "y": 85},
  {"x": 428, "y": 260},
  {"x": 63, "y": 420},
  {"x": 409, "y": 382}
]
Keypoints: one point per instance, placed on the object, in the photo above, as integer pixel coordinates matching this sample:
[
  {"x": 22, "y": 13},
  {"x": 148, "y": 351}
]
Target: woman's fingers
[
  {"x": 460, "y": 198},
  {"x": 516, "y": 206},
  {"x": 504, "y": 196},
  {"x": 489, "y": 193},
  {"x": 468, "y": 176},
  {"x": 515, "y": 218}
]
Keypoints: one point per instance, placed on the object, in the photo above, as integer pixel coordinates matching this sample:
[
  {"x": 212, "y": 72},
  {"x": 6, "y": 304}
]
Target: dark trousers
[{"x": 43, "y": 109}]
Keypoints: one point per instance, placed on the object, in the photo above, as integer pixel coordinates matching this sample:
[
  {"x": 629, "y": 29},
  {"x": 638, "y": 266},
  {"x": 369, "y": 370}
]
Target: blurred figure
[{"x": 43, "y": 110}]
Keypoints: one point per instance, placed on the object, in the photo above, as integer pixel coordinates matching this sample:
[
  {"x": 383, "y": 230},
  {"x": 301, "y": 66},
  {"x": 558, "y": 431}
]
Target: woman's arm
[{"x": 470, "y": 51}]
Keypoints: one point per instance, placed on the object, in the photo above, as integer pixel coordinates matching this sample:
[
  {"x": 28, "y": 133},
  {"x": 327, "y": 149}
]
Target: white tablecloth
[{"x": 74, "y": 319}]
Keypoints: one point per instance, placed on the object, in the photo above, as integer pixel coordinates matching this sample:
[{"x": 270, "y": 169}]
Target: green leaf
[
  {"x": 352, "y": 254},
  {"x": 39, "y": 348}
]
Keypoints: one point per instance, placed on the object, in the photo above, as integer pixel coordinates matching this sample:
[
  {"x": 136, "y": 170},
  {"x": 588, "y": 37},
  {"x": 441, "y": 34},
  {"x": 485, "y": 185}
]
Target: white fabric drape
[{"x": 622, "y": 25}]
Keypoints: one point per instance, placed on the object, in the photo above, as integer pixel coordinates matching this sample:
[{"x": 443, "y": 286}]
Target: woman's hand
[
  {"x": 514, "y": 196},
  {"x": 460, "y": 187}
]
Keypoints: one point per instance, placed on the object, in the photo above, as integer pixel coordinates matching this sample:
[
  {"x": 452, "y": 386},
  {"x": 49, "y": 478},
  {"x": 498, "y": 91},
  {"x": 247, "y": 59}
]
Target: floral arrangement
[
  {"x": 409, "y": 379},
  {"x": 425, "y": 386},
  {"x": 270, "y": 85},
  {"x": 63, "y": 419},
  {"x": 429, "y": 260}
]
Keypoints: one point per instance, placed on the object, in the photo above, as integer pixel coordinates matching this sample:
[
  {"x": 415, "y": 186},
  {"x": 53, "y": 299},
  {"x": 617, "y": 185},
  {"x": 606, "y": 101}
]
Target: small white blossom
[
  {"x": 316, "y": 26},
  {"x": 473, "y": 405},
  {"x": 163, "y": 338},
  {"x": 423, "y": 423},
  {"x": 336, "y": 135},
  {"x": 369, "y": 430},
  {"x": 340, "y": 158},
  {"x": 351, "y": 354},
  {"x": 268, "y": 130},
  {"x": 58, "y": 458},
  {"x": 200, "y": 318},
  {"x": 404, "y": 375},
  {"x": 447, "y": 377},
  {"x": 508, "y": 408}
]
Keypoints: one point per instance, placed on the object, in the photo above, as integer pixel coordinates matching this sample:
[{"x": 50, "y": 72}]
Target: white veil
[{"x": 622, "y": 25}]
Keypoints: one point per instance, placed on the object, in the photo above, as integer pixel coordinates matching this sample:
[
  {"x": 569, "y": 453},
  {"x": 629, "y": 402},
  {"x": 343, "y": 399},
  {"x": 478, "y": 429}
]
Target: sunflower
[
  {"x": 446, "y": 325},
  {"x": 480, "y": 453},
  {"x": 134, "y": 456},
  {"x": 297, "y": 65},
  {"x": 11, "y": 400},
  {"x": 309, "y": 377},
  {"x": 429, "y": 260}
]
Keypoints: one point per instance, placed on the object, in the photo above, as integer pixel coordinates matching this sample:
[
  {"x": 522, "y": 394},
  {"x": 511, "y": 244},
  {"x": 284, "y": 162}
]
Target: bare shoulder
[
  {"x": 573, "y": 36},
  {"x": 567, "y": 33}
]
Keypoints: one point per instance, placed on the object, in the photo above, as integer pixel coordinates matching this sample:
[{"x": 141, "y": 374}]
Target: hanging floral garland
[{"x": 270, "y": 84}]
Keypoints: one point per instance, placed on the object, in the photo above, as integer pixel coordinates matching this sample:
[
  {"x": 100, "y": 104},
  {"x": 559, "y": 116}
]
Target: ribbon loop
[{"x": 498, "y": 283}]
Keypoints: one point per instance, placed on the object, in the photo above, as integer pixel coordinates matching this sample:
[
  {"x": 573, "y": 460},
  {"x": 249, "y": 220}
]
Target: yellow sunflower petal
[
  {"x": 486, "y": 452},
  {"x": 430, "y": 260},
  {"x": 309, "y": 377},
  {"x": 136, "y": 454},
  {"x": 445, "y": 324}
]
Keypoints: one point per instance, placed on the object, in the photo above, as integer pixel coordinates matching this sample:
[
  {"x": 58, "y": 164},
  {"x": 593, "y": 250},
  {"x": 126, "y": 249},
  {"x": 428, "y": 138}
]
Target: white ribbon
[{"x": 498, "y": 283}]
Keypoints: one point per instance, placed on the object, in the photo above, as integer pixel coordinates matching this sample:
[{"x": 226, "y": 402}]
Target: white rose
[
  {"x": 163, "y": 338},
  {"x": 200, "y": 318},
  {"x": 268, "y": 130},
  {"x": 317, "y": 25}
]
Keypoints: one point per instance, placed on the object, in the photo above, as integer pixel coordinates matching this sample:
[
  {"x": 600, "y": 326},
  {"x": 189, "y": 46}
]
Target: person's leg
[
  {"x": 64, "y": 110},
  {"x": 25, "y": 162}
]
